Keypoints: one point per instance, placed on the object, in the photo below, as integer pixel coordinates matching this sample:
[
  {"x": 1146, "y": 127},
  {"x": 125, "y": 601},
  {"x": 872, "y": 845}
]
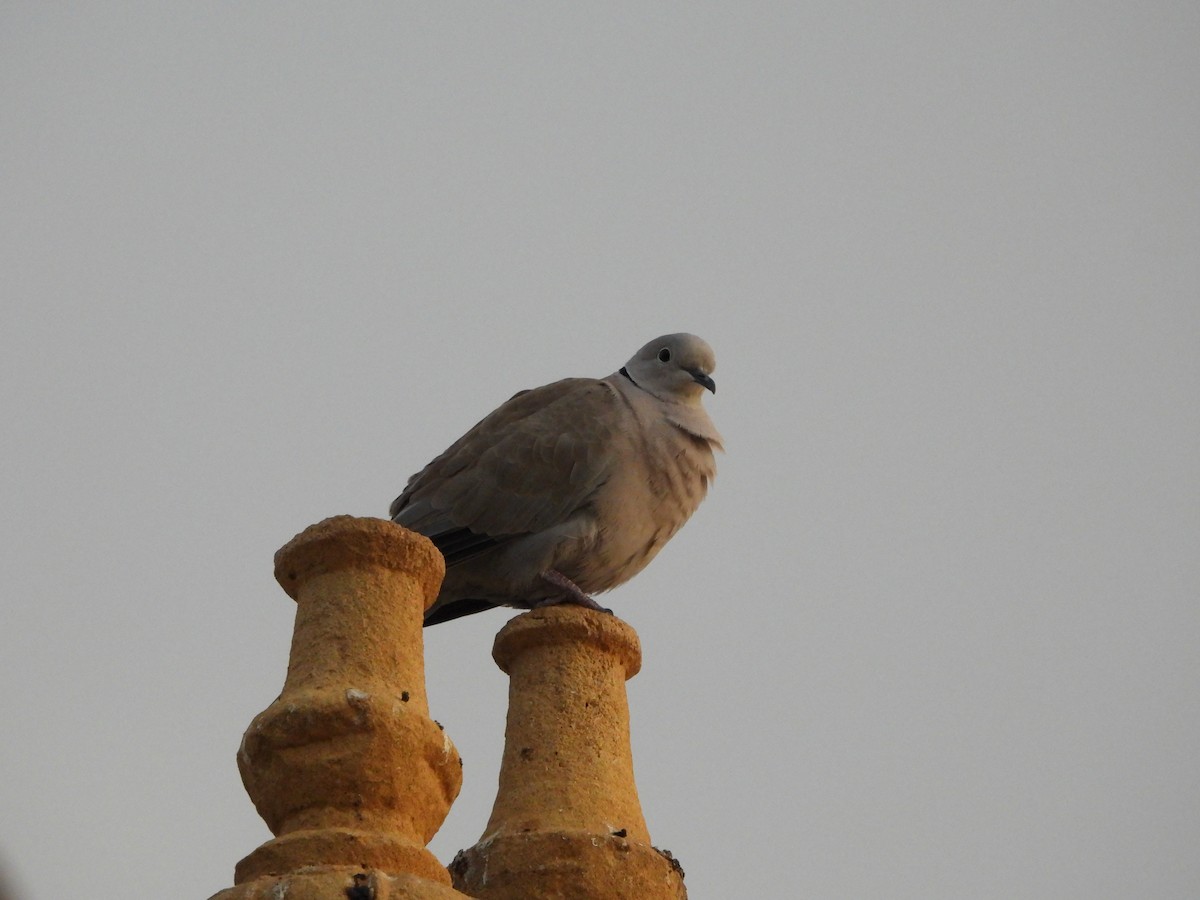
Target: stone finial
[
  {"x": 346, "y": 768},
  {"x": 567, "y": 821}
]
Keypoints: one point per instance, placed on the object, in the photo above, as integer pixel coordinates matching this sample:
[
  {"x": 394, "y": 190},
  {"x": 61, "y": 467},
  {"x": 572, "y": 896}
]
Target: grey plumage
[{"x": 571, "y": 488}]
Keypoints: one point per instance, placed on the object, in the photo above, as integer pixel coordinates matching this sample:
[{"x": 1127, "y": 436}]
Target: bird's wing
[{"x": 527, "y": 466}]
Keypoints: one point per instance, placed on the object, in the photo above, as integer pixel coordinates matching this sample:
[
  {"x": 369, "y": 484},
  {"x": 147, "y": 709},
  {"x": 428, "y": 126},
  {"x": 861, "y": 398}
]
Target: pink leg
[{"x": 571, "y": 592}]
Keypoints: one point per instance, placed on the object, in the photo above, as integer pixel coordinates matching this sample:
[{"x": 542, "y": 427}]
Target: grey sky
[{"x": 934, "y": 633}]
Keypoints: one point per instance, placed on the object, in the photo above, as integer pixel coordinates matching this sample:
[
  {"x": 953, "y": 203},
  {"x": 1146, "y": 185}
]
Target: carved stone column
[
  {"x": 347, "y": 769},
  {"x": 567, "y": 821}
]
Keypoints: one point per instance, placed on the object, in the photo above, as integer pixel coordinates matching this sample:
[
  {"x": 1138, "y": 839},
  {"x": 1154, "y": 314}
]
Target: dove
[{"x": 569, "y": 489}]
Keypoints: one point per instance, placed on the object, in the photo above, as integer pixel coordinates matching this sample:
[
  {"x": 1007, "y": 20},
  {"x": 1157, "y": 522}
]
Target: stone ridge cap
[
  {"x": 342, "y": 542},
  {"x": 564, "y": 624}
]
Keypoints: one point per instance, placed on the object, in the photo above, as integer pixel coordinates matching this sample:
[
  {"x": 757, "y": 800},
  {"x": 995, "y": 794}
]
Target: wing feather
[{"x": 527, "y": 466}]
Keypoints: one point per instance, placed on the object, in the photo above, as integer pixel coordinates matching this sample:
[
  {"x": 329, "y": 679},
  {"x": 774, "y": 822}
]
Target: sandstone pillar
[
  {"x": 567, "y": 822},
  {"x": 347, "y": 769}
]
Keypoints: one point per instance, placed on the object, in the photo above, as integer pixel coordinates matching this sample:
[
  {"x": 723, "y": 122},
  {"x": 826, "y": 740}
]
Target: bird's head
[{"x": 675, "y": 367}]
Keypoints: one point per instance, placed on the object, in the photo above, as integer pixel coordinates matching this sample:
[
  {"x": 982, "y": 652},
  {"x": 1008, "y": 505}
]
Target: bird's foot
[{"x": 572, "y": 593}]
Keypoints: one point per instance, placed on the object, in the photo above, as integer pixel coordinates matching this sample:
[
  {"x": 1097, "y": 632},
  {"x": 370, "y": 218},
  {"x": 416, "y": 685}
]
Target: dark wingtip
[{"x": 456, "y": 610}]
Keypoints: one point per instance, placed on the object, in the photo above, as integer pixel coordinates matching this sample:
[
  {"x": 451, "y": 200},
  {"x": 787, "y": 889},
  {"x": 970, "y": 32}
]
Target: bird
[{"x": 569, "y": 489}]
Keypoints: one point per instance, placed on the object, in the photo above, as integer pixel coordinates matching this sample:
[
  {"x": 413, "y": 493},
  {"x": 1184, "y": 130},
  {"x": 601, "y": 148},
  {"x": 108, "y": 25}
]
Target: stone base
[
  {"x": 337, "y": 883},
  {"x": 564, "y": 864},
  {"x": 334, "y": 848}
]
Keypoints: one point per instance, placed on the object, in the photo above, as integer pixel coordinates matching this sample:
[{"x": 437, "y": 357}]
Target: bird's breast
[{"x": 655, "y": 485}]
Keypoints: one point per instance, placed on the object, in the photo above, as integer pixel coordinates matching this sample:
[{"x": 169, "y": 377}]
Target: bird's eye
[{"x": 664, "y": 355}]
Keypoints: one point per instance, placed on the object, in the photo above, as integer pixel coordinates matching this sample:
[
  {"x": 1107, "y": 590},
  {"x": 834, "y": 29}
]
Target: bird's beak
[{"x": 702, "y": 379}]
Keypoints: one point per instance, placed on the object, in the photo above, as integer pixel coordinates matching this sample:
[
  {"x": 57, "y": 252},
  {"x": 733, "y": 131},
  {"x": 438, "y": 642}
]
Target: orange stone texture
[
  {"x": 353, "y": 778},
  {"x": 567, "y": 821},
  {"x": 346, "y": 768}
]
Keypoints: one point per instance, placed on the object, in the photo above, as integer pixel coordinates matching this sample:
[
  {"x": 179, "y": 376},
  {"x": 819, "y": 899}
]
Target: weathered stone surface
[
  {"x": 567, "y": 821},
  {"x": 353, "y": 777},
  {"x": 346, "y": 768},
  {"x": 339, "y": 883}
]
